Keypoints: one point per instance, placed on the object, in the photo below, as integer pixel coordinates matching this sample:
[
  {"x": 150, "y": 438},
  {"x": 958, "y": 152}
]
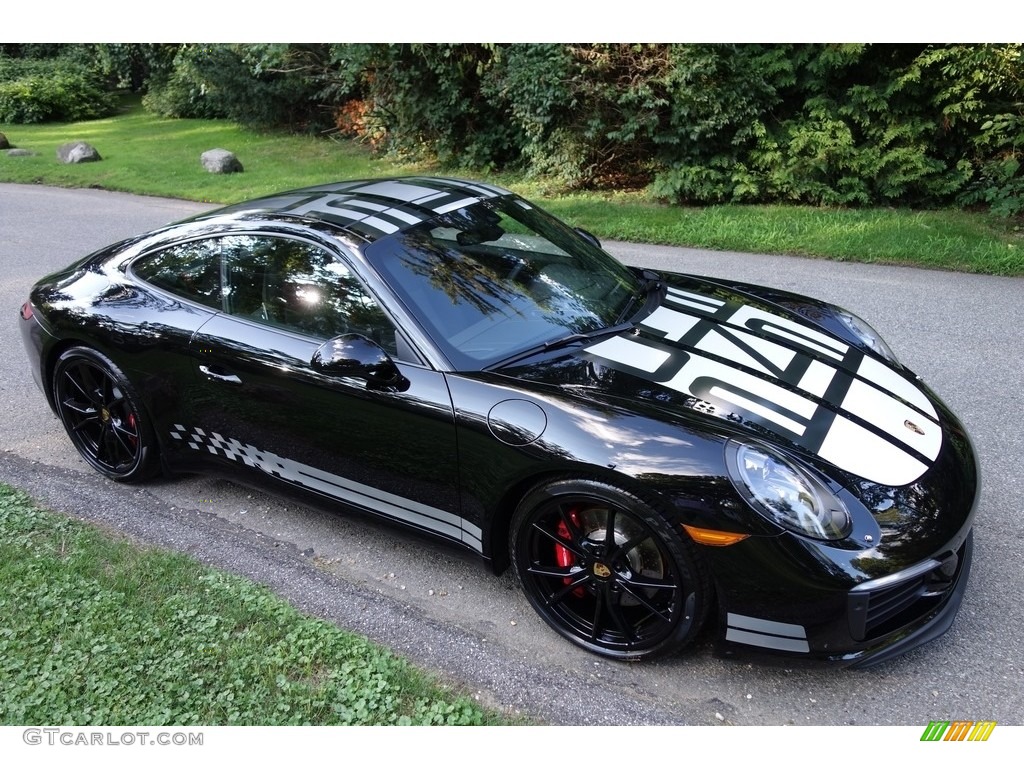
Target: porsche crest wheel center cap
[
  {"x": 602, "y": 571},
  {"x": 104, "y": 415}
]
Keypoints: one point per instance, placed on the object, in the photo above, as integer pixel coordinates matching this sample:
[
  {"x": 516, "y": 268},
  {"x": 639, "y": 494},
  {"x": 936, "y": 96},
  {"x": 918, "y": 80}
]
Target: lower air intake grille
[{"x": 879, "y": 607}]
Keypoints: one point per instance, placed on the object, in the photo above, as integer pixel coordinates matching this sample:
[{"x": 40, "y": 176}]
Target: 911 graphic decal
[
  {"x": 800, "y": 383},
  {"x": 373, "y": 499}
]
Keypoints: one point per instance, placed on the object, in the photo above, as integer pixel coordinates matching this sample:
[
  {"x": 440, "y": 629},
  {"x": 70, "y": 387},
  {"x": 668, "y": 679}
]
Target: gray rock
[
  {"x": 4, "y": 143},
  {"x": 77, "y": 152},
  {"x": 20, "y": 153},
  {"x": 220, "y": 161}
]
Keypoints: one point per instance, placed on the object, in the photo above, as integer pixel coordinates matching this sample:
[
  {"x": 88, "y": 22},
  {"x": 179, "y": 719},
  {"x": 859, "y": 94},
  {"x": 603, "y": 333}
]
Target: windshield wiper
[
  {"x": 574, "y": 338},
  {"x": 651, "y": 284},
  {"x": 563, "y": 341}
]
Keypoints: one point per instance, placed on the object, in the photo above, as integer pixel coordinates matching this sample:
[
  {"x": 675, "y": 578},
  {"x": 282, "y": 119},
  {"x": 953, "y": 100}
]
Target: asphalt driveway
[{"x": 961, "y": 333}]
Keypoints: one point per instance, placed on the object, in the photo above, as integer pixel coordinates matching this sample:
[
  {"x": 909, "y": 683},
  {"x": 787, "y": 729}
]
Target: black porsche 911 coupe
[{"x": 648, "y": 451}]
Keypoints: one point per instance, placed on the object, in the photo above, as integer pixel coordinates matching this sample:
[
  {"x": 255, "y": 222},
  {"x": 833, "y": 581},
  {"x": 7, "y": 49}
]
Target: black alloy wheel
[
  {"x": 99, "y": 410},
  {"x": 607, "y": 571}
]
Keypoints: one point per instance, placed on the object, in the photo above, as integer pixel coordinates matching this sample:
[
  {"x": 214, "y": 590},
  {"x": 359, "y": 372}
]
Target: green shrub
[
  {"x": 50, "y": 90},
  {"x": 982, "y": 106},
  {"x": 821, "y": 124},
  {"x": 427, "y": 100},
  {"x": 256, "y": 85},
  {"x": 844, "y": 125},
  {"x": 585, "y": 112}
]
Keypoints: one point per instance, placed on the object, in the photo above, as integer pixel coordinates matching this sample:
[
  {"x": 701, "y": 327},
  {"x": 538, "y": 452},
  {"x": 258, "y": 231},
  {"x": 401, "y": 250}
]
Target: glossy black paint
[{"x": 453, "y": 452}]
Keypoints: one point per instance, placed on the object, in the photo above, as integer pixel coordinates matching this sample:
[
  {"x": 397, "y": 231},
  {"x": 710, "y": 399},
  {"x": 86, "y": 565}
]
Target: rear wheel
[
  {"x": 607, "y": 571},
  {"x": 100, "y": 411}
]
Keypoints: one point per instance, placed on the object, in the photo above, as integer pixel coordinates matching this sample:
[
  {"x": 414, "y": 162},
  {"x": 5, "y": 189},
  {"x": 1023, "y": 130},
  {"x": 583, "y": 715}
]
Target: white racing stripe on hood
[
  {"x": 887, "y": 379},
  {"x": 639, "y": 356},
  {"x": 878, "y": 408},
  {"x": 712, "y": 358},
  {"x": 857, "y": 450},
  {"x": 715, "y": 381}
]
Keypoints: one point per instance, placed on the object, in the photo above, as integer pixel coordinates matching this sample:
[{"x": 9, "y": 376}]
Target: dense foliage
[
  {"x": 256, "y": 85},
  {"x": 43, "y": 90},
  {"x": 824, "y": 124}
]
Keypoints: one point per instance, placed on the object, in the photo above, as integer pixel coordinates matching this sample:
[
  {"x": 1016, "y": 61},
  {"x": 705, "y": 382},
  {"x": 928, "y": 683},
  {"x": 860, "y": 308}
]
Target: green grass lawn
[
  {"x": 151, "y": 155},
  {"x": 952, "y": 240},
  {"x": 157, "y": 156},
  {"x": 98, "y": 631}
]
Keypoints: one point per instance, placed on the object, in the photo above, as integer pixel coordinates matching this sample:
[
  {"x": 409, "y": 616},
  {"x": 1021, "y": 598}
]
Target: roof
[{"x": 373, "y": 208}]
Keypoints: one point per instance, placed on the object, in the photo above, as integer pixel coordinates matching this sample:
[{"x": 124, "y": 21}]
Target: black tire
[
  {"x": 102, "y": 415},
  {"x": 638, "y": 593}
]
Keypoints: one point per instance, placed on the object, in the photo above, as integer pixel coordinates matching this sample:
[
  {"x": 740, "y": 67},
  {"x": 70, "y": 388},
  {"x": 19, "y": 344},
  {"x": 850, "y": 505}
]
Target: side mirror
[{"x": 357, "y": 357}]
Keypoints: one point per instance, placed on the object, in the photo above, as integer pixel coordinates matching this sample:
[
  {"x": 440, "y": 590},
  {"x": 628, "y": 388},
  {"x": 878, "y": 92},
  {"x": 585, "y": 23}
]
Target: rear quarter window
[{"x": 189, "y": 270}]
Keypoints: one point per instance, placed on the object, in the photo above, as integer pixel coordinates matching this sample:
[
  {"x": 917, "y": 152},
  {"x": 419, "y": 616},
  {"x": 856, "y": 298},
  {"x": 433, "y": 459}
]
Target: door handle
[{"x": 213, "y": 374}]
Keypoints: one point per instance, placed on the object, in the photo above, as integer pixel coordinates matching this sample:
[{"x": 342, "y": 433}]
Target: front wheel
[
  {"x": 102, "y": 416},
  {"x": 607, "y": 571}
]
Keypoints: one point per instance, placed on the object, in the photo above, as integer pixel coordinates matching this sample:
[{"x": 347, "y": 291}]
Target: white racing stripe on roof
[
  {"x": 397, "y": 190},
  {"x": 432, "y": 198},
  {"x": 385, "y": 210},
  {"x": 466, "y": 201},
  {"x": 355, "y": 202},
  {"x": 384, "y": 226},
  {"x": 362, "y": 217},
  {"x": 484, "y": 189}
]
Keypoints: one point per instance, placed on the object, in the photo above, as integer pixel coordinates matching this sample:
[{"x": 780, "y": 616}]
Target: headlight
[
  {"x": 868, "y": 335},
  {"x": 786, "y": 494}
]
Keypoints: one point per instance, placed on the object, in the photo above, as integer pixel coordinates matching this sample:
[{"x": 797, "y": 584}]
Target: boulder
[
  {"x": 220, "y": 161},
  {"x": 4, "y": 143},
  {"x": 77, "y": 152}
]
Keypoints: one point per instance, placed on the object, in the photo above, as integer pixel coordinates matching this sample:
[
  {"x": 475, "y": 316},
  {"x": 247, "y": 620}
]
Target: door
[{"x": 262, "y": 408}]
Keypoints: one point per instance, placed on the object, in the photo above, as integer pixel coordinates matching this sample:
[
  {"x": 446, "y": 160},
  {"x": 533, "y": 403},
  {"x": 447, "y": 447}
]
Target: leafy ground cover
[{"x": 95, "y": 630}]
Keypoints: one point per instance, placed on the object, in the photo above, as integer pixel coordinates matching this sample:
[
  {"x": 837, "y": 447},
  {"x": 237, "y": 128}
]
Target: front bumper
[
  {"x": 906, "y": 612},
  {"x": 871, "y": 623}
]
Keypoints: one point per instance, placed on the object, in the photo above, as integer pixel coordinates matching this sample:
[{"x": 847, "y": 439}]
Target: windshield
[{"x": 500, "y": 277}]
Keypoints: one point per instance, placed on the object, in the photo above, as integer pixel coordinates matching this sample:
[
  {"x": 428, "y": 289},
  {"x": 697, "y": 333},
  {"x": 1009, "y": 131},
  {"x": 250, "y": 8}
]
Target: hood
[{"x": 726, "y": 353}]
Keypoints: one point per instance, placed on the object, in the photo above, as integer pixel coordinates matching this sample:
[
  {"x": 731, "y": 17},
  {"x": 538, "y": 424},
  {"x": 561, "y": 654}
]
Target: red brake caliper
[
  {"x": 134, "y": 439},
  {"x": 563, "y": 556}
]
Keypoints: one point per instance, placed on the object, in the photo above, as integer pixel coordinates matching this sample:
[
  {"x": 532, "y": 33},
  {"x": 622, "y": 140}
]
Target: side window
[
  {"x": 190, "y": 270},
  {"x": 300, "y": 287},
  {"x": 276, "y": 281}
]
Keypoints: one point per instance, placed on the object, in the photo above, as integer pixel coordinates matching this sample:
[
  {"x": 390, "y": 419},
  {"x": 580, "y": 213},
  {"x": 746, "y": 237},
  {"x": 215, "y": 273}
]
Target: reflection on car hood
[{"x": 729, "y": 355}]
